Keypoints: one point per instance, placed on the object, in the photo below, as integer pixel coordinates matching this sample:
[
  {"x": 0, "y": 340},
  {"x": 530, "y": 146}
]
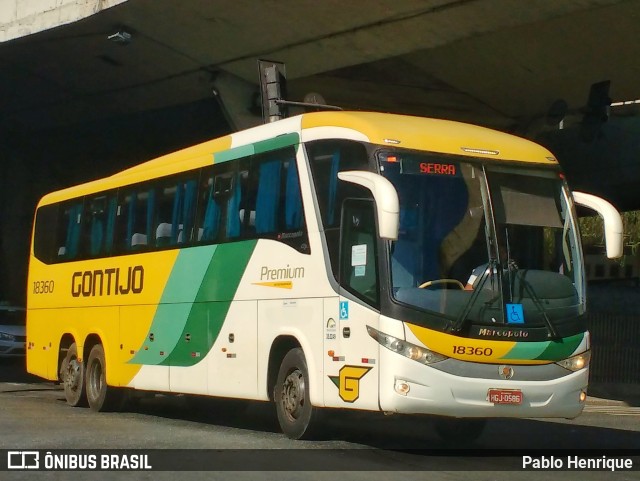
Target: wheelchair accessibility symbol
[
  {"x": 515, "y": 314},
  {"x": 344, "y": 310}
]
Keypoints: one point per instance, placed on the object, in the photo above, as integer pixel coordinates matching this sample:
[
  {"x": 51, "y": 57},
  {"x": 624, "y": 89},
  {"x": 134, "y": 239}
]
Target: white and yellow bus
[{"x": 331, "y": 260}]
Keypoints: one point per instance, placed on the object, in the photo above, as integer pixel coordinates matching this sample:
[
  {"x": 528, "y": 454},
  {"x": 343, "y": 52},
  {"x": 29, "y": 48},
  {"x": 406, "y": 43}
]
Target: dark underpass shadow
[
  {"x": 627, "y": 393},
  {"x": 396, "y": 432},
  {"x": 374, "y": 430},
  {"x": 14, "y": 369}
]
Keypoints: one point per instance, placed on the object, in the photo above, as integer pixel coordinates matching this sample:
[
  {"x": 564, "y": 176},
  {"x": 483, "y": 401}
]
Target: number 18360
[{"x": 472, "y": 351}]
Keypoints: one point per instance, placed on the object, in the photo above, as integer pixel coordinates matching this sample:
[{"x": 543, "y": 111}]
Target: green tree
[{"x": 592, "y": 232}]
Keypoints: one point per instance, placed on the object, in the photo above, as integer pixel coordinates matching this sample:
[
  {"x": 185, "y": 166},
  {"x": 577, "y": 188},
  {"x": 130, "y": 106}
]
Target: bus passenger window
[
  {"x": 233, "y": 207},
  {"x": 69, "y": 233},
  {"x": 268, "y": 196},
  {"x": 292, "y": 197},
  {"x": 98, "y": 225},
  {"x": 209, "y": 209},
  {"x": 277, "y": 197},
  {"x": 253, "y": 197},
  {"x": 45, "y": 244},
  {"x": 134, "y": 219},
  {"x": 274, "y": 198},
  {"x": 174, "y": 211}
]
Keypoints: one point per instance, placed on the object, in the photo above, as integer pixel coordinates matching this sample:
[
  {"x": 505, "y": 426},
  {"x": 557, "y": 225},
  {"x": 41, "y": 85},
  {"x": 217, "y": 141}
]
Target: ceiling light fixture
[
  {"x": 121, "y": 37},
  {"x": 625, "y": 102}
]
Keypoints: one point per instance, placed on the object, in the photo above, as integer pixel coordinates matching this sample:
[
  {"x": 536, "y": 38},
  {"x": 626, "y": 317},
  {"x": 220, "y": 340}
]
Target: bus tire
[
  {"x": 72, "y": 376},
  {"x": 459, "y": 431},
  {"x": 296, "y": 415},
  {"x": 100, "y": 396}
]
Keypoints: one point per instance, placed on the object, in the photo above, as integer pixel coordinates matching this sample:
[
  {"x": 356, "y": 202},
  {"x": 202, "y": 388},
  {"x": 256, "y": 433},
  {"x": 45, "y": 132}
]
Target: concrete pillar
[{"x": 17, "y": 201}]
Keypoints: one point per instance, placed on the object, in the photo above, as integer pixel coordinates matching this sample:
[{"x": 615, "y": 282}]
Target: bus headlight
[
  {"x": 576, "y": 363},
  {"x": 404, "y": 348}
]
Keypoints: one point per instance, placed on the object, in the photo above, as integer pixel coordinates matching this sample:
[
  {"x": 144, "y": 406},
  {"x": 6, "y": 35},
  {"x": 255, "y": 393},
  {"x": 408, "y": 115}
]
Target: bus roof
[{"x": 433, "y": 135}]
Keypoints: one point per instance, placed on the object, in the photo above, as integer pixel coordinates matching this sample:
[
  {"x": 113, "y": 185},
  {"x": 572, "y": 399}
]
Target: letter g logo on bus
[{"x": 348, "y": 382}]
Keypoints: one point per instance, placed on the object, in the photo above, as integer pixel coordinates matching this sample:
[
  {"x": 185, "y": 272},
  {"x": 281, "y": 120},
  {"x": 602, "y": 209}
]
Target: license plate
[{"x": 505, "y": 396}]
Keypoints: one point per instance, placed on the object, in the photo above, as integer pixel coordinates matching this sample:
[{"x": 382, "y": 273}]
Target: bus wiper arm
[
  {"x": 553, "y": 334},
  {"x": 489, "y": 272}
]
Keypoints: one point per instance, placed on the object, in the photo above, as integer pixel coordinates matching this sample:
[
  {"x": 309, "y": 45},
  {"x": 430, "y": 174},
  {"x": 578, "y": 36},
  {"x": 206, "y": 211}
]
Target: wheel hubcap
[
  {"x": 72, "y": 379},
  {"x": 293, "y": 394}
]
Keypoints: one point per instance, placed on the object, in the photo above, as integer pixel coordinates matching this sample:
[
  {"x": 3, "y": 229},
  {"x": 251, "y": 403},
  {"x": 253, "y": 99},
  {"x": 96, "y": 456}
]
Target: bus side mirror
[
  {"x": 612, "y": 221},
  {"x": 385, "y": 196}
]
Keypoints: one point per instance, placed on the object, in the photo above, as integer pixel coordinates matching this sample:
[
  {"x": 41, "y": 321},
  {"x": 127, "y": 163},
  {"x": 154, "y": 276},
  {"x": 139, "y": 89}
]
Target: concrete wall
[{"x": 19, "y": 18}]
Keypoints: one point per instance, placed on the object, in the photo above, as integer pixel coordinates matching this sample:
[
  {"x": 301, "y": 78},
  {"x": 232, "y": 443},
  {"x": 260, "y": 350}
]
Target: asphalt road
[{"x": 34, "y": 415}]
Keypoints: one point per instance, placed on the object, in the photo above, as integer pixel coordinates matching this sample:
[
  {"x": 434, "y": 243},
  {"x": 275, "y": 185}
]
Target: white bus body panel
[{"x": 436, "y": 392}]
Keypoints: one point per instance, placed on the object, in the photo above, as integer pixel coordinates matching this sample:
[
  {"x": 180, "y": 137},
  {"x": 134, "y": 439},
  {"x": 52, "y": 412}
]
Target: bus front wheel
[
  {"x": 72, "y": 374},
  {"x": 291, "y": 395},
  {"x": 100, "y": 396}
]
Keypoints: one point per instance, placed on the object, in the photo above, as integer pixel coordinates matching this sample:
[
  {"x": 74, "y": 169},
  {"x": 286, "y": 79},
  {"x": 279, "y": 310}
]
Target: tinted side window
[
  {"x": 134, "y": 218},
  {"x": 44, "y": 237},
  {"x": 174, "y": 211},
  {"x": 219, "y": 195},
  {"x": 275, "y": 187},
  {"x": 69, "y": 230},
  {"x": 58, "y": 232},
  {"x": 254, "y": 197},
  {"x": 98, "y": 225}
]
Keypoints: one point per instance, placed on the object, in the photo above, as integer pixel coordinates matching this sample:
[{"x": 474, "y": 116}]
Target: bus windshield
[{"x": 482, "y": 244}]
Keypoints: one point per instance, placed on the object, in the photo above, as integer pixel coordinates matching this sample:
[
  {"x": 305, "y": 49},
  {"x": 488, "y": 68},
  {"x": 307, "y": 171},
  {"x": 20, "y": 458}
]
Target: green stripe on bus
[
  {"x": 212, "y": 303},
  {"x": 545, "y": 350},
  {"x": 233, "y": 154},
  {"x": 526, "y": 350},
  {"x": 561, "y": 349},
  {"x": 276, "y": 143},
  {"x": 268, "y": 145},
  {"x": 175, "y": 304}
]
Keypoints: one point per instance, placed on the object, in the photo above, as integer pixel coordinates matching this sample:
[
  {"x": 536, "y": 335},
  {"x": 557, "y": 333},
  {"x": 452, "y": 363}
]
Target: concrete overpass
[{"x": 91, "y": 86}]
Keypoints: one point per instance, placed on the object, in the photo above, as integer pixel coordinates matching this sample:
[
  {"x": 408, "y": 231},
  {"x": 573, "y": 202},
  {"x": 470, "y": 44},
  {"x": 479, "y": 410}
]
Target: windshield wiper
[
  {"x": 552, "y": 333},
  {"x": 489, "y": 273}
]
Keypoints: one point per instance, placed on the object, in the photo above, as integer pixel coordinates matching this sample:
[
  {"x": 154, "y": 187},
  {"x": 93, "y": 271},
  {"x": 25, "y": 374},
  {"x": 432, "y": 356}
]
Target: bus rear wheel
[
  {"x": 100, "y": 396},
  {"x": 296, "y": 415},
  {"x": 72, "y": 376}
]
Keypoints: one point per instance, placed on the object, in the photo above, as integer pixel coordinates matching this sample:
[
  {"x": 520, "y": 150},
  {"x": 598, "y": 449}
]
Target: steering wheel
[{"x": 441, "y": 281}]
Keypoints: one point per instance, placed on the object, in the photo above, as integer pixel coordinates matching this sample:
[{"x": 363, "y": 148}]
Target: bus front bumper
[{"x": 409, "y": 387}]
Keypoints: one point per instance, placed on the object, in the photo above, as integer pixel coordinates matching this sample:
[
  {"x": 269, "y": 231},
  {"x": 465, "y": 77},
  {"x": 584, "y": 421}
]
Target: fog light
[
  {"x": 583, "y": 396},
  {"x": 402, "y": 387}
]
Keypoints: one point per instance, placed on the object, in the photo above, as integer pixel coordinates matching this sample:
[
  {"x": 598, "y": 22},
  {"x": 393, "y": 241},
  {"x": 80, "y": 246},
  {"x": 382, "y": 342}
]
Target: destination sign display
[{"x": 430, "y": 167}]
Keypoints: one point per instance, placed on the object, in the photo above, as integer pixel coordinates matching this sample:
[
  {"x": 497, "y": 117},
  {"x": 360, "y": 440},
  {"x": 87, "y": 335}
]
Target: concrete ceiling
[{"x": 498, "y": 63}]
